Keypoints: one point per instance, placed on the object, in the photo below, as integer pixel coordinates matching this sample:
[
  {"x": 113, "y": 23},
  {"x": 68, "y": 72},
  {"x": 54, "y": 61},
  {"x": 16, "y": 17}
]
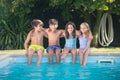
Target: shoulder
[
  {"x": 90, "y": 36},
  {"x": 61, "y": 31},
  {"x": 48, "y": 30},
  {"x": 64, "y": 34},
  {"x": 45, "y": 29},
  {"x": 31, "y": 32}
]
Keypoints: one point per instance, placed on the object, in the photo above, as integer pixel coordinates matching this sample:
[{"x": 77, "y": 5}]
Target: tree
[
  {"x": 14, "y": 23},
  {"x": 90, "y": 10}
]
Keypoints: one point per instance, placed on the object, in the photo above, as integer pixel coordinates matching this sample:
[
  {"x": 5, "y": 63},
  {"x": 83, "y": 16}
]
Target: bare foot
[{"x": 83, "y": 65}]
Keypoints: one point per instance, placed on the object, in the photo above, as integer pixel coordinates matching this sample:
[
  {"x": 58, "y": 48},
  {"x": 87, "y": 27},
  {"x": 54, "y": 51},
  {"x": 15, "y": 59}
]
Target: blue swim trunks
[{"x": 54, "y": 48}]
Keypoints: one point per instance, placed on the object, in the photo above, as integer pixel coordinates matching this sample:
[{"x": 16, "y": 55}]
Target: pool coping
[{"x": 7, "y": 53}]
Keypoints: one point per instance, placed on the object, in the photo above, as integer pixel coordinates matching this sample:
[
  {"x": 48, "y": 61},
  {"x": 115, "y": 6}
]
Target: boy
[
  {"x": 36, "y": 37},
  {"x": 53, "y": 40}
]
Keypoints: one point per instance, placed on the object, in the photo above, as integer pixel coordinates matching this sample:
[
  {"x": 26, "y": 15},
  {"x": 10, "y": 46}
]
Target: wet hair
[
  {"x": 53, "y": 21},
  {"x": 74, "y": 31},
  {"x": 88, "y": 27},
  {"x": 35, "y": 22}
]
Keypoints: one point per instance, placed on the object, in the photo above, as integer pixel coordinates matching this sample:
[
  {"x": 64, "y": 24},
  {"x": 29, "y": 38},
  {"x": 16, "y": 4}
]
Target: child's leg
[
  {"x": 74, "y": 52},
  {"x": 58, "y": 55},
  {"x": 51, "y": 53},
  {"x": 81, "y": 56},
  {"x": 40, "y": 54},
  {"x": 65, "y": 52},
  {"x": 85, "y": 57},
  {"x": 30, "y": 54}
]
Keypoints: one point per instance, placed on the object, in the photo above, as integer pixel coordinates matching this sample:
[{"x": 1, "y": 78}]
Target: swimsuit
[
  {"x": 54, "y": 48},
  {"x": 36, "y": 47},
  {"x": 83, "y": 42},
  {"x": 70, "y": 43}
]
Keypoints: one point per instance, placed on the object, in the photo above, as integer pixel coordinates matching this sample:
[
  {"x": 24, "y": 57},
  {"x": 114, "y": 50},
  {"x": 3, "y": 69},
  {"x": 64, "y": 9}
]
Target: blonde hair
[{"x": 87, "y": 26}]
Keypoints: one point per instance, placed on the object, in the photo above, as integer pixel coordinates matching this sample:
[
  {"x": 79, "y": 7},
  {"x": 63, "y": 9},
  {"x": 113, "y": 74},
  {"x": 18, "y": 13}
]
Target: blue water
[{"x": 19, "y": 70}]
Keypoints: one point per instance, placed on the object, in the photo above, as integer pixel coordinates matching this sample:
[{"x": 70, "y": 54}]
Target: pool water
[{"x": 19, "y": 70}]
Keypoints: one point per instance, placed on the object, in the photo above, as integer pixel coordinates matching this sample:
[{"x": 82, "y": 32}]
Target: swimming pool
[{"x": 16, "y": 68}]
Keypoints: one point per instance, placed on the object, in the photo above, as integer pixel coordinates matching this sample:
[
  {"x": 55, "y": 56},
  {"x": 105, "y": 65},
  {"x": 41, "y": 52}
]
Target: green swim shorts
[{"x": 36, "y": 47}]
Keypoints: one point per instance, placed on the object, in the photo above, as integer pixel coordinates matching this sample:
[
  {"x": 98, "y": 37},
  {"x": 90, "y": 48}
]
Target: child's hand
[{"x": 84, "y": 50}]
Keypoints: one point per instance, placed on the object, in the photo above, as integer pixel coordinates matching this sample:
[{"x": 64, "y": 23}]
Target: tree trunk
[{"x": 96, "y": 29}]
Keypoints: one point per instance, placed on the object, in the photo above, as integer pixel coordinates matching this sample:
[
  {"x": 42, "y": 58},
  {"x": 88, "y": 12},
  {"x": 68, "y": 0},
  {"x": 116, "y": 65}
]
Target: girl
[
  {"x": 84, "y": 41},
  {"x": 70, "y": 38}
]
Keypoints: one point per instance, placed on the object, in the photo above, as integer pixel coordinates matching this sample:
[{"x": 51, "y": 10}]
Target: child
[
  {"x": 36, "y": 38},
  {"x": 84, "y": 41},
  {"x": 70, "y": 38},
  {"x": 53, "y": 40}
]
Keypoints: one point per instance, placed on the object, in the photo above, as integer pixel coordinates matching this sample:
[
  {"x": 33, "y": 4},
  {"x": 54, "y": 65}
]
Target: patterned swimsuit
[
  {"x": 70, "y": 43},
  {"x": 83, "y": 42}
]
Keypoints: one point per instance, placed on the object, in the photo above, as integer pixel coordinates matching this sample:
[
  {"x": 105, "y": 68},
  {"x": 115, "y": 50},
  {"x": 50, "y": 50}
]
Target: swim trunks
[
  {"x": 36, "y": 47},
  {"x": 54, "y": 48}
]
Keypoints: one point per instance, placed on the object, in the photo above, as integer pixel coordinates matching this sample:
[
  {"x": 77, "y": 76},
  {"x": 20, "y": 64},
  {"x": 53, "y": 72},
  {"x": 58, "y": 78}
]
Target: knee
[
  {"x": 65, "y": 51},
  {"x": 30, "y": 54},
  {"x": 58, "y": 51},
  {"x": 31, "y": 51},
  {"x": 74, "y": 51},
  {"x": 50, "y": 52},
  {"x": 40, "y": 51}
]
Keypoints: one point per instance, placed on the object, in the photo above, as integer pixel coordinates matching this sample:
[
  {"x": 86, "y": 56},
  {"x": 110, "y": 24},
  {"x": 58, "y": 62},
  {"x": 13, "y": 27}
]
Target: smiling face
[
  {"x": 83, "y": 28},
  {"x": 38, "y": 27},
  {"x": 37, "y": 24},
  {"x": 53, "y": 27},
  {"x": 70, "y": 28},
  {"x": 53, "y": 24}
]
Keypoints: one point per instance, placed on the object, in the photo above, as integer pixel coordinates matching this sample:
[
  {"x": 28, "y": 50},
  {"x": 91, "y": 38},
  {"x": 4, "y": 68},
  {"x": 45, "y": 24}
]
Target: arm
[
  {"x": 45, "y": 30},
  {"x": 45, "y": 34},
  {"x": 62, "y": 33},
  {"x": 26, "y": 43},
  {"x": 90, "y": 35}
]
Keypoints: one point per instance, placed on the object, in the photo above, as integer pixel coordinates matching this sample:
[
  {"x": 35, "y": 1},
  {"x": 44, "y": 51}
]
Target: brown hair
[
  {"x": 74, "y": 31},
  {"x": 35, "y": 22},
  {"x": 53, "y": 21}
]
